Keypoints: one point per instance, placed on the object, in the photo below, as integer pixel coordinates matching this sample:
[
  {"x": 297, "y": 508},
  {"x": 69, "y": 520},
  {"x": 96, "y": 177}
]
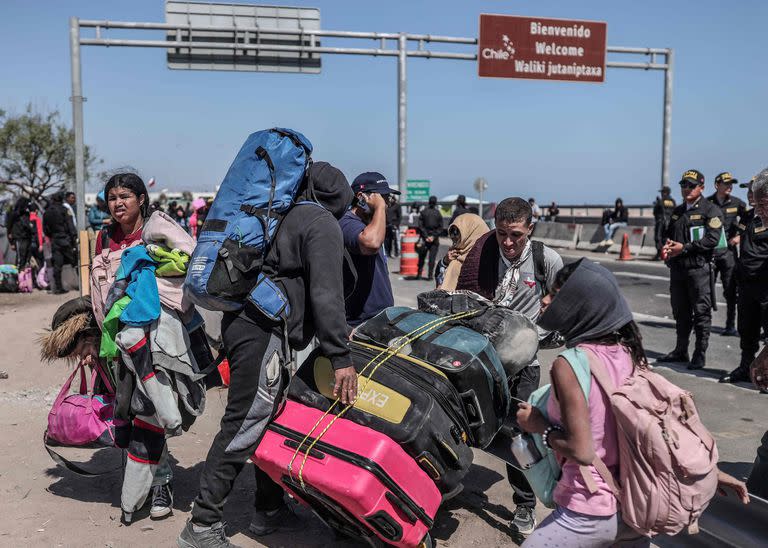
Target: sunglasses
[{"x": 688, "y": 185}]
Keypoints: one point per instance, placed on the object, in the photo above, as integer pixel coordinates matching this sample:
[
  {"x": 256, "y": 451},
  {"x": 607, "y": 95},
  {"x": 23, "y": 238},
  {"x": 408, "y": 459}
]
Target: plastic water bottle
[{"x": 524, "y": 451}]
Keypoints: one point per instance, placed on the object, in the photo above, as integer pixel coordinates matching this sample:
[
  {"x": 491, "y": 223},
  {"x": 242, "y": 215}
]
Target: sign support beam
[{"x": 401, "y": 51}]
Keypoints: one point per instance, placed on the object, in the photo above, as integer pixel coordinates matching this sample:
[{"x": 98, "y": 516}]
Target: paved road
[{"x": 737, "y": 415}]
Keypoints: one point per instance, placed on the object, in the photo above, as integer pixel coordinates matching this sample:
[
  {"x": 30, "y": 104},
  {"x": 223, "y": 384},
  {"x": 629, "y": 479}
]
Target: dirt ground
[{"x": 44, "y": 505}]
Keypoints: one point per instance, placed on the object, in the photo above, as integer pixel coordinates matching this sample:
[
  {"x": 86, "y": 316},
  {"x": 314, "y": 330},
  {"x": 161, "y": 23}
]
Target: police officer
[
  {"x": 662, "y": 211},
  {"x": 724, "y": 256},
  {"x": 693, "y": 233},
  {"x": 752, "y": 276}
]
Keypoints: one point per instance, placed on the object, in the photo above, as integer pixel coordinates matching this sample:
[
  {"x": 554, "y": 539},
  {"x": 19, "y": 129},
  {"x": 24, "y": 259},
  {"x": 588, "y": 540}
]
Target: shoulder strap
[
  {"x": 600, "y": 373},
  {"x": 539, "y": 266},
  {"x": 72, "y": 467}
]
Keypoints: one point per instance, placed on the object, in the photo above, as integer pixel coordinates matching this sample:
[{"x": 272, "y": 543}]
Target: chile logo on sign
[{"x": 541, "y": 49}]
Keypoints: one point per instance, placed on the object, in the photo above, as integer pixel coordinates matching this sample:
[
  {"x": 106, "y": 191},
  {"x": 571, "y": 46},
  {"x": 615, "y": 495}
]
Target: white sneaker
[{"x": 162, "y": 501}]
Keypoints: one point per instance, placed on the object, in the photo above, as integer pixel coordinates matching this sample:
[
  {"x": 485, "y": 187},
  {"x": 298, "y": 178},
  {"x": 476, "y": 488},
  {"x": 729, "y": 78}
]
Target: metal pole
[
  {"x": 480, "y": 206},
  {"x": 667, "y": 129},
  {"x": 77, "y": 119},
  {"x": 402, "y": 124}
]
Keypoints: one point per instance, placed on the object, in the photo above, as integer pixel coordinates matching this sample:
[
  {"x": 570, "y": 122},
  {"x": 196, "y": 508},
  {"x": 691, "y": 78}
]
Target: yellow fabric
[{"x": 471, "y": 228}]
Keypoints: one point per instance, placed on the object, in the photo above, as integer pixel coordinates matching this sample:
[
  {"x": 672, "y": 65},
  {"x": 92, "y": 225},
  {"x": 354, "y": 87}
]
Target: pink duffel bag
[{"x": 84, "y": 418}]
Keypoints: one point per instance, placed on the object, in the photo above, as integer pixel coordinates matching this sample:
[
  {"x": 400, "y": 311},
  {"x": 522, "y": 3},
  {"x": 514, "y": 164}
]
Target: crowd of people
[
  {"x": 701, "y": 239},
  {"x": 331, "y": 264}
]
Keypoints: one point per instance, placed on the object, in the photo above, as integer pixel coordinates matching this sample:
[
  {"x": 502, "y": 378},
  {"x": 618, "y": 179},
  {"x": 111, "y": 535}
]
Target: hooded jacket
[
  {"x": 306, "y": 261},
  {"x": 590, "y": 305}
]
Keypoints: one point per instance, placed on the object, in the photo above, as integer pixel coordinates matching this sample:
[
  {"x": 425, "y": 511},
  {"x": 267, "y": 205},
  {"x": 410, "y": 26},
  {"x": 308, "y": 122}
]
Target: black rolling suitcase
[
  {"x": 465, "y": 356},
  {"x": 407, "y": 400}
]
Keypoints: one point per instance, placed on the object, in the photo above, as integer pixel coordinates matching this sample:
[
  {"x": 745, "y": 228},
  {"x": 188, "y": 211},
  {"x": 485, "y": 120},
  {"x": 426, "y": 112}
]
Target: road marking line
[
  {"x": 647, "y": 276},
  {"x": 639, "y": 316},
  {"x": 640, "y": 275},
  {"x": 666, "y": 296}
]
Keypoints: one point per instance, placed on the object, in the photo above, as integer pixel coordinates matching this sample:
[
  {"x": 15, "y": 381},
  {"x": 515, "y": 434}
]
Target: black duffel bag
[
  {"x": 406, "y": 399},
  {"x": 464, "y": 355},
  {"x": 513, "y": 335}
]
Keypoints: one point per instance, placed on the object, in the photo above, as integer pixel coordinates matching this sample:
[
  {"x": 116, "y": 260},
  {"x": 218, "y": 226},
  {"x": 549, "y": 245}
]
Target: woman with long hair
[
  {"x": 587, "y": 308},
  {"x": 128, "y": 205}
]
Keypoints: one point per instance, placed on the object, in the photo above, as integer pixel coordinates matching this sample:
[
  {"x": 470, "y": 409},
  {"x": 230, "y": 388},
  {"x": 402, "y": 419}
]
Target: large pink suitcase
[{"x": 357, "y": 480}]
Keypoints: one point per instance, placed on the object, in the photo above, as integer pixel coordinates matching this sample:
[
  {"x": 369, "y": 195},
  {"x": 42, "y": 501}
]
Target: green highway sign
[{"x": 417, "y": 190}]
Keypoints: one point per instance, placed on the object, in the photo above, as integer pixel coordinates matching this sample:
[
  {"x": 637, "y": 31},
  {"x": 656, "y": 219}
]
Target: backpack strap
[
  {"x": 539, "y": 265},
  {"x": 600, "y": 373}
]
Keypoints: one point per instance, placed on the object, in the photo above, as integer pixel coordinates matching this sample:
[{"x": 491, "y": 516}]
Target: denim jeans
[{"x": 611, "y": 228}]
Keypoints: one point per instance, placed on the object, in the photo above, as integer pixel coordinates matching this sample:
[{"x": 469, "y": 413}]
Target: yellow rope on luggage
[{"x": 407, "y": 339}]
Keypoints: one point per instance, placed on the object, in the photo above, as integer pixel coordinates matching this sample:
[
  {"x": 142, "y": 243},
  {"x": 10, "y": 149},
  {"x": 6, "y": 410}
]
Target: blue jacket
[
  {"x": 138, "y": 268},
  {"x": 96, "y": 218}
]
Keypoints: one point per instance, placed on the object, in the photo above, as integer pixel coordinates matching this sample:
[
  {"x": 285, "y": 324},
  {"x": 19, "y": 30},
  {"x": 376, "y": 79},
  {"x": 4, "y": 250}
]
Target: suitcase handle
[
  {"x": 472, "y": 408},
  {"x": 397, "y": 503},
  {"x": 303, "y": 449}
]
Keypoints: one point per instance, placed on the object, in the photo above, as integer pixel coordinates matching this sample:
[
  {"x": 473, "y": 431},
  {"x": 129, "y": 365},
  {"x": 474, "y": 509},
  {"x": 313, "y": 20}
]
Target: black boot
[
  {"x": 698, "y": 361},
  {"x": 678, "y": 355},
  {"x": 740, "y": 374}
]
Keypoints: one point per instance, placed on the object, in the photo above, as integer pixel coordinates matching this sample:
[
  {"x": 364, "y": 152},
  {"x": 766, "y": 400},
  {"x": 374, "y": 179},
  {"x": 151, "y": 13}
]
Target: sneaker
[
  {"x": 212, "y": 537},
  {"x": 162, "y": 501},
  {"x": 609, "y": 242},
  {"x": 265, "y": 523},
  {"x": 524, "y": 520},
  {"x": 59, "y": 291}
]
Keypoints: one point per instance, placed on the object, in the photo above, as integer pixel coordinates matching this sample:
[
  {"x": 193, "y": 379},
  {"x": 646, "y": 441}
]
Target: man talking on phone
[{"x": 364, "y": 229}]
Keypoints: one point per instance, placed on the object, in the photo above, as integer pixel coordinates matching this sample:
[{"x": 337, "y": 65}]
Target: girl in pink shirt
[{"x": 587, "y": 308}]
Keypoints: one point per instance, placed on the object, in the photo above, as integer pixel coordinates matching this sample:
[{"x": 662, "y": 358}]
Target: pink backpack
[
  {"x": 26, "y": 285},
  {"x": 667, "y": 458}
]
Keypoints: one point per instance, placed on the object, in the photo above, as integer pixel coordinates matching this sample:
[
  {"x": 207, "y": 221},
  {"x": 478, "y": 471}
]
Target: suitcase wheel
[{"x": 427, "y": 542}]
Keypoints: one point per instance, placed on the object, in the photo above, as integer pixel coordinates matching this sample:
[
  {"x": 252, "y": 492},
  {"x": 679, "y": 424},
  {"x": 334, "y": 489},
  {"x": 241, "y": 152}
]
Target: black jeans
[
  {"x": 391, "y": 244},
  {"x": 691, "y": 297},
  {"x": 725, "y": 266},
  {"x": 758, "y": 478},
  {"x": 248, "y": 347},
  {"x": 23, "y": 253},
  {"x": 430, "y": 248},
  {"x": 753, "y": 316},
  {"x": 521, "y": 387},
  {"x": 61, "y": 255}
]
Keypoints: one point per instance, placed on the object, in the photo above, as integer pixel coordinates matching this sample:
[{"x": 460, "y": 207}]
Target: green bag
[{"x": 544, "y": 475}]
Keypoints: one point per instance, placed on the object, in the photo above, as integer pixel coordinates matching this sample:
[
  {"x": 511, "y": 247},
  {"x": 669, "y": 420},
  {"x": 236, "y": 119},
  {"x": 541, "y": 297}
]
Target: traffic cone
[
  {"x": 625, "y": 254},
  {"x": 409, "y": 259}
]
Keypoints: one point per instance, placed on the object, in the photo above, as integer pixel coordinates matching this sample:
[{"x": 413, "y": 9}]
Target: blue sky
[{"x": 570, "y": 142}]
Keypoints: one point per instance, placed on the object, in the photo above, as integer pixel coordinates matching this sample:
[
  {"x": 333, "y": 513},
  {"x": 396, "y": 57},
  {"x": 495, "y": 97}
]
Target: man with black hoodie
[
  {"x": 60, "y": 228},
  {"x": 305, "y": 261}
]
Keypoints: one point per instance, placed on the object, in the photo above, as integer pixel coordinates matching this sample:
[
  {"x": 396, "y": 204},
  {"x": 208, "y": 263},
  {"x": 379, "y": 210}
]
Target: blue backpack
[{"x": 257, "y": 191}]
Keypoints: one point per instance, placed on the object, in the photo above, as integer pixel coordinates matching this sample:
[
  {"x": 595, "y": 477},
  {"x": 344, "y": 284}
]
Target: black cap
[
  {"x": 749, "y": 184},
  {"x": 725, "y": 178},
  {"x": 372, "y": 181},
  {"x": 692, "y": 176},
  {"x": 433, "y": 200}
]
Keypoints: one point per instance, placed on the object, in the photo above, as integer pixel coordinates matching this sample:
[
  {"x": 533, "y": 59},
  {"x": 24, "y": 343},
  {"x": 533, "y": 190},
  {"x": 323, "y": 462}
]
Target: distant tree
[{"x": 37, "y": 153}]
